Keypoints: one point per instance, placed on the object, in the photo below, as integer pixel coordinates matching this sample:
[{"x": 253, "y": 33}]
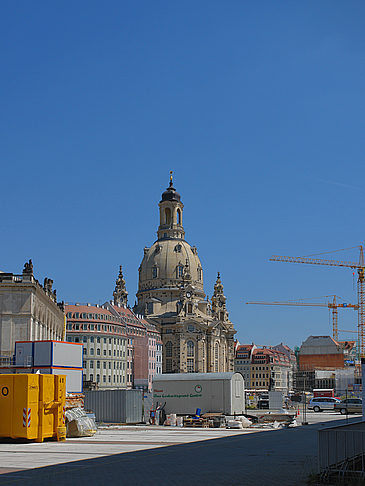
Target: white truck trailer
[{"x": 183, "y": 393}]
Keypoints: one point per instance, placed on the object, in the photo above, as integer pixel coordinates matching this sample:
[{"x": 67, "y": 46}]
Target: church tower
[
  {"x": 221, "y": 326},
  {"x": 120, "y": 293},
  {"x": 170, "y": 294},
  {"x": 171, "y": 211},
  {"x": 219, "y": 309}
]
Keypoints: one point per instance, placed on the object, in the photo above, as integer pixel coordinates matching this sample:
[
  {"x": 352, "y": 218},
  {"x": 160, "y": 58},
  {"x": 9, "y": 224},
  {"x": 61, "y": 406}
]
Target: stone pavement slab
[
  {"x": 107, "y": 441},
  {"x": 279, "y": 457}
]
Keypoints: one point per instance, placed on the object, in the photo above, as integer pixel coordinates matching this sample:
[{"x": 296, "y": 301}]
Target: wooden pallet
[{"x": 200, "y": 422}]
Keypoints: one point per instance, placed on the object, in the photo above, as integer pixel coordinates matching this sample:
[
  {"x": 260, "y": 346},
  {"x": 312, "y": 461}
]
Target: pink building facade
[{"x": 144, "y": 348}]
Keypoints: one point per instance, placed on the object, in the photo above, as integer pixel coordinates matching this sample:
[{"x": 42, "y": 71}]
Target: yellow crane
[
  {"x": 360, "y": 284},
  {"x": 333, "y": 306}
]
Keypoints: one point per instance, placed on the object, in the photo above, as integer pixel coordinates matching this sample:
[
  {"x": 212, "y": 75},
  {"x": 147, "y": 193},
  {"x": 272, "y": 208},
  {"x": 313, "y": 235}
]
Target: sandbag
[{"x": 78, "y": 424}]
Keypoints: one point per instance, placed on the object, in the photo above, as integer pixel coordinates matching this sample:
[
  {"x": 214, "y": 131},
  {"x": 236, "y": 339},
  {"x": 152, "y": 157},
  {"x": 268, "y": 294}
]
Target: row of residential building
[
  {"x": 120, "y": 349},
  {"x": 320, "y": 362},
  {"x": 266, "y": 368}
]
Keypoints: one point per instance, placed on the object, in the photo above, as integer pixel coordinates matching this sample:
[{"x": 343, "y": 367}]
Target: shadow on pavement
[{"x": 278, "y": 457}]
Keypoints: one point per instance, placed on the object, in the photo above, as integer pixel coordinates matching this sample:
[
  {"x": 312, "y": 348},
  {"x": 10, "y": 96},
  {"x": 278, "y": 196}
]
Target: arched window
[
  {"x": 216, "y": 357},
  {"x": 190, "y": 362},
  {"x": 189, "y": 308},
  {"x": 179, "y": 271},
  {"x": 200, "y": 273},
  {"x": 168, "y": 348},
  {"x": 167, "y": 215},
  {"x": 178, "y": 214},
  {"x": 154, "y": 272}
]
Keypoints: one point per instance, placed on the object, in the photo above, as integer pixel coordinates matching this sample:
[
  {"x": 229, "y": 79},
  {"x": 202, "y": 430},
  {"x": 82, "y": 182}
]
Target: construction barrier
[{"x": 32, "y": 406}]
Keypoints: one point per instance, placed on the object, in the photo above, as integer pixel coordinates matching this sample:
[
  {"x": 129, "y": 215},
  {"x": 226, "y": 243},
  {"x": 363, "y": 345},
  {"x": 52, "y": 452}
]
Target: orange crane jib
[{"x": 331, "y": 305}]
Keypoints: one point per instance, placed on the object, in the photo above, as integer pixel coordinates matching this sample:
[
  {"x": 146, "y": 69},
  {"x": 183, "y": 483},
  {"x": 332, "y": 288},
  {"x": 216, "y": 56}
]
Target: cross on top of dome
[{"x": 171, "y": 194}]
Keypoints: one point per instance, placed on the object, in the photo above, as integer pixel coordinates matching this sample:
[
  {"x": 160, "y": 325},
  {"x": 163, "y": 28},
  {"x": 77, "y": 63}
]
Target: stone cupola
[{"x": 171, "y": 213}]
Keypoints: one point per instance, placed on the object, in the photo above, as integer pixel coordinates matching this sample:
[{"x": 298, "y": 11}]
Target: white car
[{"x": 322, "y": 403}]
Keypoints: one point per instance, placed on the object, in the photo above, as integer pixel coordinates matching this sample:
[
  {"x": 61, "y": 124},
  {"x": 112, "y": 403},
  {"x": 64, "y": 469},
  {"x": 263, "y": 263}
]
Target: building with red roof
[
  {"x": 263, "y": 368},
  {"x": 121, "y": 348},
  {"x": 104, "y": 339}
]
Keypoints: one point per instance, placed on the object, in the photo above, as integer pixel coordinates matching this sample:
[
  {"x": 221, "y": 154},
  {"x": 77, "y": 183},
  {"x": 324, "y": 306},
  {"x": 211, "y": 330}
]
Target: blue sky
[{"x": 258, "y": 108}]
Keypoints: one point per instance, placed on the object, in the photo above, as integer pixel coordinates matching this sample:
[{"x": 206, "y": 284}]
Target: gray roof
[{"x": 195, "y": 376}]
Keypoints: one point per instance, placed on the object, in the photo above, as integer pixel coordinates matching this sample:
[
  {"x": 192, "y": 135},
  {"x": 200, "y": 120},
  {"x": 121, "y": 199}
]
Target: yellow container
[
  {"x": 32, "y": 406},
  {"x": 52, "y": 396}
]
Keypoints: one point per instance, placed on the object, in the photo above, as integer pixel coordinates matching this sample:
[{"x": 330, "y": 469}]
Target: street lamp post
[{"x": 304, "y": 420}]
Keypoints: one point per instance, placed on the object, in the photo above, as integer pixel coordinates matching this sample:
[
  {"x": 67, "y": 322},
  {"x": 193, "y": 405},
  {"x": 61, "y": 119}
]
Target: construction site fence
[
  {"x": 342, "y": 448},
  {"x": 115, "y": 406}
]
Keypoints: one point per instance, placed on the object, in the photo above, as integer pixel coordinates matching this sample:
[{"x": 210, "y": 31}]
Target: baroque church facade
[{"x": 196, "y": 333}]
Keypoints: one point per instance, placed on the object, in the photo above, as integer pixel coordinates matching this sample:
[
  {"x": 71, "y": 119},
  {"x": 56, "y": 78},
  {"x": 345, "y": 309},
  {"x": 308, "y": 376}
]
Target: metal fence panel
[
  {"x": 338, "y": 444},
  {"x": 115, "y": 406}
]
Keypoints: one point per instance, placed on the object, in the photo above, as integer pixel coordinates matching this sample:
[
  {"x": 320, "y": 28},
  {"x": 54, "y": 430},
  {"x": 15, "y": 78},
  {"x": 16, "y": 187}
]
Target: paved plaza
[{"x": 168, "y": 455}]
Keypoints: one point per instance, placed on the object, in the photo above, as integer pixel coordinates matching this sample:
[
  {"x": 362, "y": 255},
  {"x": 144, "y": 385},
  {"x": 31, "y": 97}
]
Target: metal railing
[{"x": 341, "y": 451}]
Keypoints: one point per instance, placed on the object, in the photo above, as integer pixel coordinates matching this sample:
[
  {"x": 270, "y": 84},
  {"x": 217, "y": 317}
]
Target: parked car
[
  {"x": 349, "y": 405},
  {"x": 322, "y": 403}
]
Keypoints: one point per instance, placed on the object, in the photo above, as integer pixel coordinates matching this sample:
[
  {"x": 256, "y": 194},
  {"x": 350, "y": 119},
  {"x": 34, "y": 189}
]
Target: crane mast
[{"x": 361, "y": 301}]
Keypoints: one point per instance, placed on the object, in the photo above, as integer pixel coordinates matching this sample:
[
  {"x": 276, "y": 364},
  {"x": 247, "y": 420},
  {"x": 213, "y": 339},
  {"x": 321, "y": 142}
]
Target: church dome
[
  {"x": 170, "y": 194},
  {"x": 165, "y": 263}
]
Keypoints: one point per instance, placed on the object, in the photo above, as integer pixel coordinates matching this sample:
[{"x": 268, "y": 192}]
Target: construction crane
[
  {"x": 333, "y": 306},
  {"x": 360, "y": 285}
]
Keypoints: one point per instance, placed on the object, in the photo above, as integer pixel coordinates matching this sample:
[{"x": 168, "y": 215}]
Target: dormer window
[
  {"x": 154, "y": 272},
  {"x": 179, "y": 271}
]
